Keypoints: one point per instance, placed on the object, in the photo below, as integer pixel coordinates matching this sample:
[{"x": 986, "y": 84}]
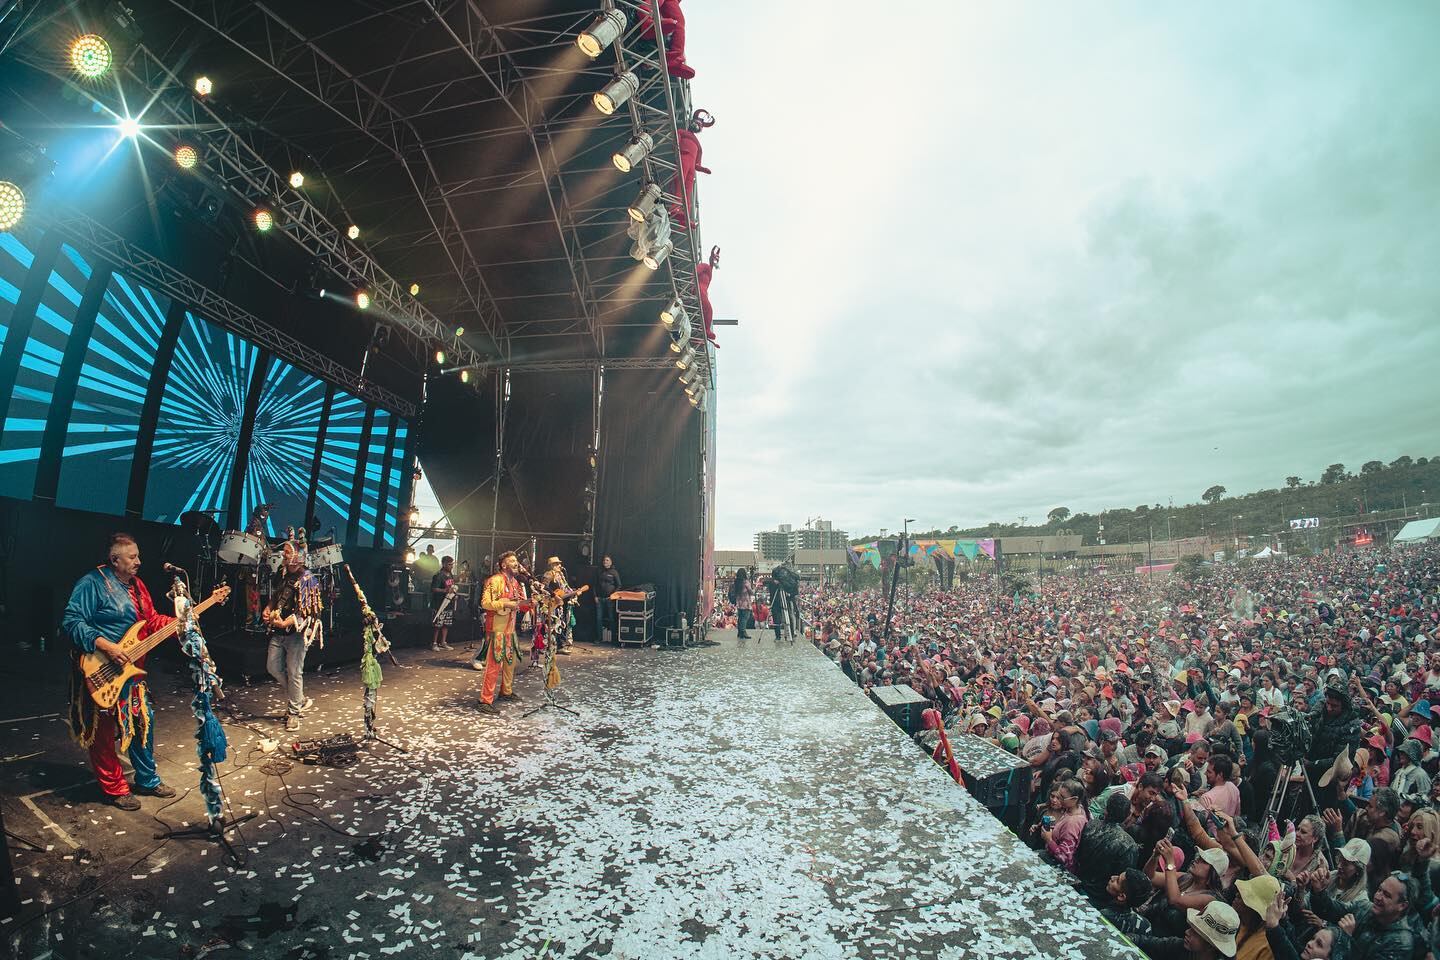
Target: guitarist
[
  {"x": 558, "y": 587},
  {"x": 292, "y": 618},
  {"x": 105, "y": 603}
]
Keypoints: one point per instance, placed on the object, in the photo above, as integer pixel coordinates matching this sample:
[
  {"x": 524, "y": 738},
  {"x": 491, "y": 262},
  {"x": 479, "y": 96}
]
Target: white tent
[
  {"x": 1417, "y": 530},
  {"x": 1264, "y": 553}
]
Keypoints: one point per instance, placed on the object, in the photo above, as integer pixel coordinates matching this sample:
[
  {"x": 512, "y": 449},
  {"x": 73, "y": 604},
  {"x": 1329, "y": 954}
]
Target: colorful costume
[
  {"x": 500, "y": 620},
  {"x": 704, "y": 273},
  {"x": 672, "y": 27},
  {"x": 101, "y": 606},
  {"x": 683, "y": 186}
]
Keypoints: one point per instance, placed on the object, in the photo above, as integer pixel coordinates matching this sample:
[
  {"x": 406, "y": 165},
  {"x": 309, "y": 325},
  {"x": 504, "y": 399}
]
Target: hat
[
  {"x": 1424, "y": 735},
  {"x": 1422, "y": 707},
  {"x": 1188, "y": 705},
  {"x": 1218, "y": 859},
  {"x": 1357, "y": 851},
  {"x": 1259, "y": 892},
  {"x": 1172, "y": 707},
  {"x": 995, "y": 712},
  {"x": 1340, "y": 770},
  {"x": 1376, "y": 741},
  {"x": 553, "y": 562},
  {"x": 1413, "y": 749},
  {"x": 1217, "y": 923},
  {"x": 1155, "y": 750}
]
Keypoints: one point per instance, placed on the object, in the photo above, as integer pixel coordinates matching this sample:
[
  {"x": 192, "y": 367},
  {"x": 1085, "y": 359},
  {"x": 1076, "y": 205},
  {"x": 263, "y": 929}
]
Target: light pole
[{"x": 901, "y": 551}]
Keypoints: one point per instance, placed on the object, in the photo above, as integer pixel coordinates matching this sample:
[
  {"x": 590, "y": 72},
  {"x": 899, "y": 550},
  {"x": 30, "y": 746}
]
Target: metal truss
[
  {"x": 234, "y": 163},
  {"x": 473, "y": 34},
  {"x": 261, "y": 33},
  {"x": 155, "y": 273},
  {"x": 578, "y": 364}
]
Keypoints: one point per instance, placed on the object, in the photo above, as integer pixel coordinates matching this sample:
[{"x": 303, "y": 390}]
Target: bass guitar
[{"x": 106, "y": 677}]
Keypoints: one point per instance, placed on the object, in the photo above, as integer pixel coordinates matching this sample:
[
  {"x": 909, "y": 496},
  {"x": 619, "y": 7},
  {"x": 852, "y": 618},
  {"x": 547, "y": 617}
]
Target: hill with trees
[{"x": 1405, "y": 482}]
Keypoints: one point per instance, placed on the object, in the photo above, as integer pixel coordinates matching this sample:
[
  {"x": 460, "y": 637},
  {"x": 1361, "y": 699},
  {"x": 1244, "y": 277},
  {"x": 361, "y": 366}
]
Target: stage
[{"x": 728, "y": 801}]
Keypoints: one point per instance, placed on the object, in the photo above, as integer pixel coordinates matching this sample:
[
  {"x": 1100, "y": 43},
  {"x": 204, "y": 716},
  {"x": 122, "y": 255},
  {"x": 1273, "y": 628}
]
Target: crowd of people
[{"x": 1242, "y": 764}]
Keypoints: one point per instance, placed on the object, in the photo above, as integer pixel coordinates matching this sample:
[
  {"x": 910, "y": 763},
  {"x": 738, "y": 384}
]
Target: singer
[{"x": 504, "y": 598}]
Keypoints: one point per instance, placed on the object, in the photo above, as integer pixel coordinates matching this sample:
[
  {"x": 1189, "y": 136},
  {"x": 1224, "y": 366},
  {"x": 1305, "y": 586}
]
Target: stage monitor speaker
[
  {"x": 902, "y": 704},
  {"x": 995, "y": 777}
]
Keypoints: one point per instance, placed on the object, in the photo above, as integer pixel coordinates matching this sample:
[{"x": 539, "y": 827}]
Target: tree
[
  {"x": 1292, "y": 482},
  {"x": 1422, "y": 461},
  {"x": 1058, "y": 515},
  {"x": 1333, "y": 473},
  {"x": 1213, "y": 495},
  {"x": 1371, "y": 467},
  {"x": 1402, "y": 461}
]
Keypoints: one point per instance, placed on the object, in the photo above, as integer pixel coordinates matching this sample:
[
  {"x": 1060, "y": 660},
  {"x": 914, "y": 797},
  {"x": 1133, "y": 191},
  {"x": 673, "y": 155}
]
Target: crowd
[{"x": 1242, "y": 765}]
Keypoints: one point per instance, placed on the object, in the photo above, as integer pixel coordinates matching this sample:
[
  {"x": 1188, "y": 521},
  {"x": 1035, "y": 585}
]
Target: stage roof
[{"x": 459, "y": 136}]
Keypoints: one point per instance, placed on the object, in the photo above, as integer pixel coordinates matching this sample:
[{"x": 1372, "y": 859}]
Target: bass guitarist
[{"x": 105, "y": 603}]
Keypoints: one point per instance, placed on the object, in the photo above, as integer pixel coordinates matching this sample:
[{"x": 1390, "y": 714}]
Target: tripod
[{"x": 1280, "y": 798}]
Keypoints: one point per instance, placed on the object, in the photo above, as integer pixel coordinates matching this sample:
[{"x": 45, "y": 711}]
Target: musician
[
  {"x": 558, "y": 589},
  {"x": 292, "y": 618},
  {"x": 442, "y": 586},
  {"x": 105, "y": 603},
  {"x": 504, "y": 595}
]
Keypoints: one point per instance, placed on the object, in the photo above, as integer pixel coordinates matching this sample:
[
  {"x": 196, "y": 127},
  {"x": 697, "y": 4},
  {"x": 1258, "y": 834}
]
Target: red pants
[
  {"x": 108, "y": 770},
  {"x": 502, "y": 669}
]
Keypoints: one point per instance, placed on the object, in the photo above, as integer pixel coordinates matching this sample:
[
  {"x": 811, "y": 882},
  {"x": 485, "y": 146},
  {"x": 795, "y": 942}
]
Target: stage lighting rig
[
  {"x": 647, "y": 201},
  {"x": 263, "y": 219},
  {"x": 414, "y": 289},
  {"x": 689, "y": 375},
  {"x": 657, "y": 256},
  {"x": 297, "y": 180},
  {"x": 674, "y": 315},
  {"x": 603, "y": 31},
  {"x": 353, "y": 233},
  {"x": 12, "y": 204},
  {"x": 440, "y": 357},
  {"x": 362, "y": 300},
  {"x": 634, "y": 153},
  {"x": 464, "y": 376},
  {"x": 186, "y": 157},
  {"x": 613, "y": 96},
  {"x": 203, "y": 86},
  {"x": 90, "y": 56},
  {"x": 686, "y": 358}
]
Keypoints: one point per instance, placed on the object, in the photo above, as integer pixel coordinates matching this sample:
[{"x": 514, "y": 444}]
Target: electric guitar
[{"x": 105, "y": 677}]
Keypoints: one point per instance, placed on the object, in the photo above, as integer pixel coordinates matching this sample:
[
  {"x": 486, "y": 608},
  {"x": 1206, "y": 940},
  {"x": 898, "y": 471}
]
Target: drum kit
[{"x": 256, "y": 561}]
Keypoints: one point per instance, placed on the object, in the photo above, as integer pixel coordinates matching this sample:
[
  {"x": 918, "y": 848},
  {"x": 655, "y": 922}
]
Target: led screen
[
  {"x": 199, "y": 425},
  {"x": 39, "y": 366},
  {"x": 392, "y": 492},
  {"x": 109, "y": 397},
  {"x": 339, "y": 458},
  {"x": 15, "y": 260},
  {"x": 375, "y": 447},
  {"x": 282, "y": 446}
]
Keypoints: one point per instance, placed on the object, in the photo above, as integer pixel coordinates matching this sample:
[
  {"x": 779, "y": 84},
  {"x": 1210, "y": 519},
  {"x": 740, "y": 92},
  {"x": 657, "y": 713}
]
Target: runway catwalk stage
[{"x": 719, "y": 802}]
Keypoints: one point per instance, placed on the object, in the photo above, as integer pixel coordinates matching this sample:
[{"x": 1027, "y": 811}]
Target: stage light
[
  {"x": 635, "y": 151},
  {"x": 90, "y": 56},
  {"x": 409, "y": 556},
  {"x": 678, "y": 343},
  {"x": 616, "y": 92},
  {"x": 297, "y": 179},
  {"x": 203, "y": 86},
  {"x": 689, "y": 375},
  {"x": 414, "y": 289},
  {"x": 12, "y": 204},
  {"x": 687, "y": 357},
  {"x": 464, "y": 376},
  {"x": 439, "y": 356},
  {"x": 264, "y": 219},
  {"x": 673, "y": 314},
  {"x": 414, "y": 515},
  {"x": 186, "y": 156},
  {"x": 648, "y": 199},
  {"x": 655, "y": 257},
  {"x": 459, "y": 331},
  {"x": 353, "y": 233},
  {"x": 128, "y": 127},
  {"x": 603, "y": 31},
  {"x": 362, "y": 299}
]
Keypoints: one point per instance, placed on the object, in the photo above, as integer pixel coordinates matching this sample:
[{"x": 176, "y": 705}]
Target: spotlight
[
  {"x": 655, "y": 257},
  {"x": 652, "y": 231},
  {"x": 353, "y": 233},
  {"x": 602, "y": 32},
  {"x": 677, "y": 344},
  {"x": 635, "y": 151},
  {"x": 439, "y": 356},
  {"x": 297, "y": 179},
  {"x": 616, "y": 92},
  {"x": 203, "y": 86},
  {"x": 648, "y": 200},
  {"x": 464, "y": 376},
  {"x": 186, "y": 157},
  {"x": 414, "y": 515},
  {"x": 12, "y": 204},
  {"x": 128, "y": 127},
  {"x": 687, "y": 357},
  {"x": 414, "y": 289},
  {"x": 90, "y": 56},
  {"x": 688, "y": 377},
  {"x": 264, "y": 219},
  {"x": 409, "y": 556},
  {"x": 673, "y": 314},
  {"x": 362, "y": 299}
]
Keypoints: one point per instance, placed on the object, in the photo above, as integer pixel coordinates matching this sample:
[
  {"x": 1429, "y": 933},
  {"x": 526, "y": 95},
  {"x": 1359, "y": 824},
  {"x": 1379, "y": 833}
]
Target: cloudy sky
[{"x": 991, "y": 258}]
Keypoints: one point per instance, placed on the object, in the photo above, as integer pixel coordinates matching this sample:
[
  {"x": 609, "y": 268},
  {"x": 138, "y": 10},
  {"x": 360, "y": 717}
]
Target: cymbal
[{"x": 197, "y": 520}]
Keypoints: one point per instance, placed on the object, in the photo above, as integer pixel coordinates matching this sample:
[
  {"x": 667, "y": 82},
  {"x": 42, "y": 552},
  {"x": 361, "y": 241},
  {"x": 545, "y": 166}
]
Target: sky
[{"x": 993, "y": 258}]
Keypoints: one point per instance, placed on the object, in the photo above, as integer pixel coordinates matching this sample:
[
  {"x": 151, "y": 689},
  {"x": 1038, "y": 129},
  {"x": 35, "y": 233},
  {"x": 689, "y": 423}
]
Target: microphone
[{"x": 171, "y": 568}]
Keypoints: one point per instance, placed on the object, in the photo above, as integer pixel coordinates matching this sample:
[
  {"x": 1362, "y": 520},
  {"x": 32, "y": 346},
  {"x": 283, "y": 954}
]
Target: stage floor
[{"x": 728, "y": 801}]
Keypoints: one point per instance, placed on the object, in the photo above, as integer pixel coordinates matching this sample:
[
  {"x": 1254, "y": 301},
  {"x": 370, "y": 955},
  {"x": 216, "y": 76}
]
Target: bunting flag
[
  {"x": 887, "y": 548},
  {"x": 988, "y": 546},
  {"x": 967, "y": 547}
]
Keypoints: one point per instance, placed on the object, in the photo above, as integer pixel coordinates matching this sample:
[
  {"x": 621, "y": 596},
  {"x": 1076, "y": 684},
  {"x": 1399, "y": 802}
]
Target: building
[{"x": 775, "y": 545}]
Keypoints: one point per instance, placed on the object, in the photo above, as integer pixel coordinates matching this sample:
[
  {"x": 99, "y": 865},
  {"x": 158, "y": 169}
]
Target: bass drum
[
  {"x": 328, "y": 556},
  {"x": 275, "y": 562},
  {"x": 240, "y": 549}
]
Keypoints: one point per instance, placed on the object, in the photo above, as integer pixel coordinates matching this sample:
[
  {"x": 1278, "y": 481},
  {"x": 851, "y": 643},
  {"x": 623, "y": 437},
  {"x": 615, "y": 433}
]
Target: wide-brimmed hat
[
  {"x": 1218, "y": 859},
  {"x": 1340, "y": 770},
  {"x": 1424, "y": 735},
  {"x": 1357, "y": 851},
  {"x": 553, "y": 562},
  {"x": 1217, "y": 923},
  {"x": 1259, "y": 892}
]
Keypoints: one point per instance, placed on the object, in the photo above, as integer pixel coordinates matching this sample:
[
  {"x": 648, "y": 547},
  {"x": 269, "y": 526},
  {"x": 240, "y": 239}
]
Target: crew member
[
  {"x": 105, "y": 603},
  {"x": 608, "y": 582},
  {"x": 443, "y": 585},
  {"x": 292, "y": 617},
  {"x": 503, "y": 597}
]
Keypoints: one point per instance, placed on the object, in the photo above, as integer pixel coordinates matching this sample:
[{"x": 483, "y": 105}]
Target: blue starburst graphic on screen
[{"x": 282, "y": 445}]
